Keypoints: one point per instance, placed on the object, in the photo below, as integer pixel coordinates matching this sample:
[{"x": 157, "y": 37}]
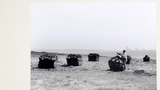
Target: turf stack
[
  {"x": 47, "y": 61},
  {"x": 93, "y": 57},
  {"x": 74, "y": 60},
  {"x": 128, "y": 59},
  {"x": 117, "y": 64},
  {"x": 146, "y": 58}
]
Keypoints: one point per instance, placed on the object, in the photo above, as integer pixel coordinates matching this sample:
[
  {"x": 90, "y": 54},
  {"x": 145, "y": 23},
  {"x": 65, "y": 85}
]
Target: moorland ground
[{"x": 93, "y": 75}]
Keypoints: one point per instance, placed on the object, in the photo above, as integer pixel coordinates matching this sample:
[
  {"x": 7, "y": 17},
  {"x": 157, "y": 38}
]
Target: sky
[{"x": 99, "y": 26}]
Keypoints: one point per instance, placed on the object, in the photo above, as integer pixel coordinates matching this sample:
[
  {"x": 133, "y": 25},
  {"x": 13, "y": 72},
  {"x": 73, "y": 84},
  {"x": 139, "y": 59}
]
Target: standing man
[
  {"x": 125, "y": 55},
  {"x": 123, "y": 58}
]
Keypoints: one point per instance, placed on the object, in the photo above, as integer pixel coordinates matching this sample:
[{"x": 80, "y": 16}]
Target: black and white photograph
[{"x": 93, "y": 46}]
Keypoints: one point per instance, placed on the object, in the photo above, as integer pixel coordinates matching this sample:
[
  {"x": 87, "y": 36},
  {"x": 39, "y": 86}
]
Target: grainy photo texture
[{"x": 93, "y": 46}]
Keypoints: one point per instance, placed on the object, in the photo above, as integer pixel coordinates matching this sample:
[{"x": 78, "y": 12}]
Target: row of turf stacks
[
  {"x": 116, "y": 63},
  {"x": 74, "y": 60},
  {"x": 93, "y": 57},
  {"x": 146, "y": 58},
  {"x": 47, "y": 61}
]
